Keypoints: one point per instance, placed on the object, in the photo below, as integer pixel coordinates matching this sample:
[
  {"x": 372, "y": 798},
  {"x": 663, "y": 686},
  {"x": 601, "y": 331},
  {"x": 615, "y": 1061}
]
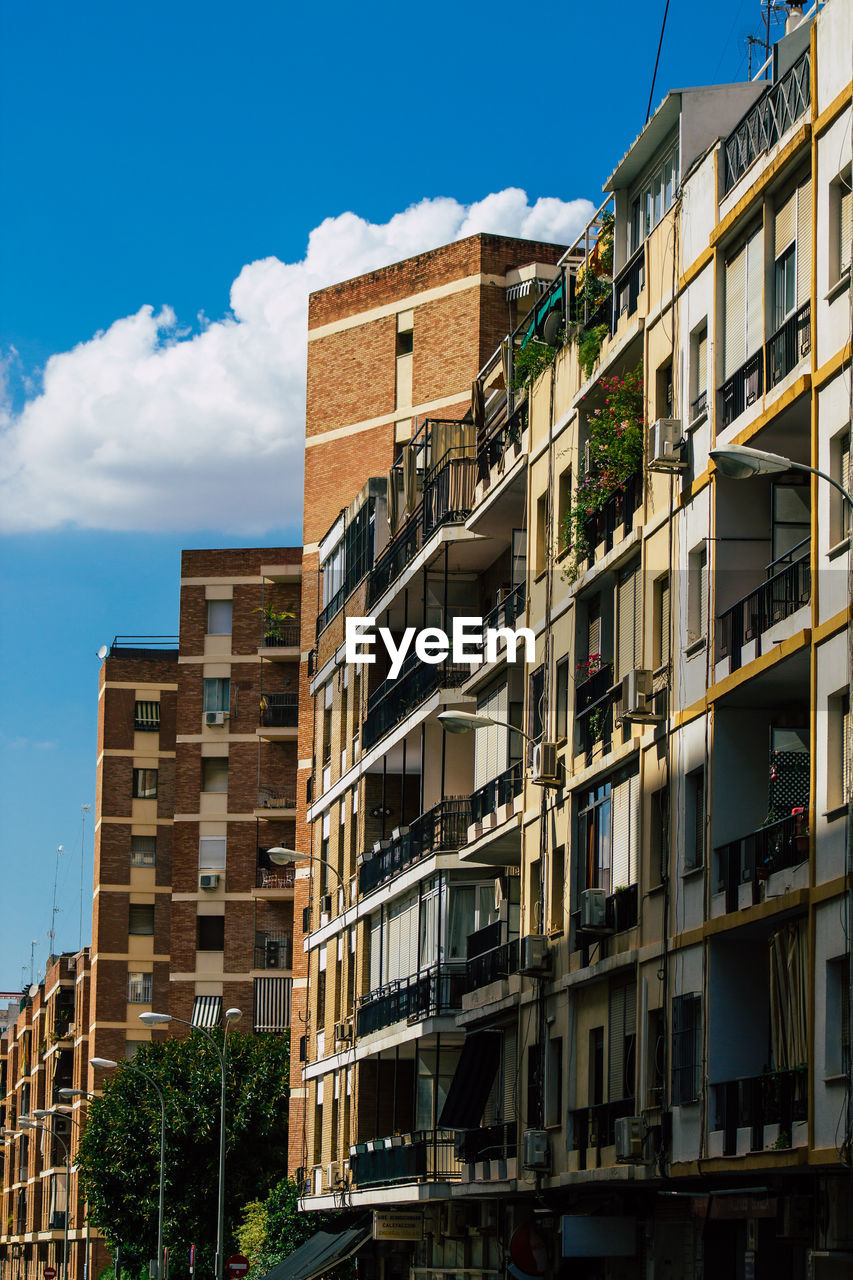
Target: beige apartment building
[{"x": 579, "y": 979}]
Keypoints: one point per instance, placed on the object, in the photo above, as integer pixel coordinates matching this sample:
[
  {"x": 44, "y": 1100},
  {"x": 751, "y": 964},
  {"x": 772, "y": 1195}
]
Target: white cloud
[{"x": 145, "y": 427}]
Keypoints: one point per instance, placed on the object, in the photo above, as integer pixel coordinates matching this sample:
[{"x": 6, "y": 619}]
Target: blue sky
[{"x": 178, "y": 157}]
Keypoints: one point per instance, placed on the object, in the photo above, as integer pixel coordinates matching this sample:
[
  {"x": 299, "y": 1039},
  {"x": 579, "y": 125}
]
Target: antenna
[
  {"x": 84, "y": 809},
  {"x": 33, "y": 945},
  {"x": 59, "y": 851}
]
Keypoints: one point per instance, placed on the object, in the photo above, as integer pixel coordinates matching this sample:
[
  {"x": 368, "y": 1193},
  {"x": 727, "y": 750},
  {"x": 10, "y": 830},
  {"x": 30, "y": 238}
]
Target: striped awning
[
  {"x": 271, "y": 1004},
  {"x": 207, "y": 1011},
  {"x": 526, "y": 286},
  {"x": 147, "y": 715}
]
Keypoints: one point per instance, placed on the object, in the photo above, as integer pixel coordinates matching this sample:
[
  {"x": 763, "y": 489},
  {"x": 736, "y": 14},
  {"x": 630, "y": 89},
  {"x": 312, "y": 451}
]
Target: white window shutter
[
  {"x": 735, "y": 310},
  {"x": 804, "y": 243},
  {"x": 754, "y": 294}
]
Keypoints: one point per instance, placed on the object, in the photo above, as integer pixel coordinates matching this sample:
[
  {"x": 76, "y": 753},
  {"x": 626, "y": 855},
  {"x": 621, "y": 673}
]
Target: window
[
  {"x": 698, "y": 371},
  {"x": 561, "y": 710},
  {"x": 139, "y": 988},
  {"x": 554, "y": 1083},
  {"x": 839, "y": 750},
  {"x": 654, "y": 198},
  {"x": 534, "y": 1086},
  {"x": 658, "y": 834},
  {"x": 785, "y": 285},
  {"x": 219, "y": 617},
  {"x": 564, "y": 507},
  {"x": 662, "y": 621},
  {"x": 596, "y": 1066},
  {"x": 146, "y": 717},
  {"x": 405, "y": 342},
  {"x": 595, "y": 837},
  {"x": 541, "y": 533},
  {"x": 214, "y": 773},
  {"x": 333, "y": 575},
  {"x": 621, "y": 1041},
  {"x": 663, "y": 390},
  {"x": 629, "y": 607},
  {"x": 556, "y": 896},
  {"x": 145, "y": 784},
  {"x": 141, "y": 919},
  {"x": 838, "y": 1016},
  {"x": 211, "y": 853},
  {"x": 217, "y": 694},
  {"x": 694, "y": 835},
  {"x": 744, "y": 323},
  {"x": 143, "y": 851},
  {"x": 210, "y": 933},
  {"x": 839, "y": 462},
  {"x": 697, "y": 594},
  {"x": 840, "y": 227},
  {"x": 686, "y": 1044},
  {"x": 655, "y": 1056},
  {"x": 535, "y": 709}
]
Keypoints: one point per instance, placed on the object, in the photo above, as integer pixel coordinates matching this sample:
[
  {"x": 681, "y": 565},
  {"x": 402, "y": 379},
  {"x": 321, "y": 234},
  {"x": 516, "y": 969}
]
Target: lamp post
[
  {"x": 740, "y": 462},
  {"x": 231, "y": 1015},
  {"x": 468, "y": 721},
  {"x": 26, "y": 1123},
  {"x": 107, "y": 1064},
  {"x": 280, "y": 856},
  {"x": 67, "y": 1094}
]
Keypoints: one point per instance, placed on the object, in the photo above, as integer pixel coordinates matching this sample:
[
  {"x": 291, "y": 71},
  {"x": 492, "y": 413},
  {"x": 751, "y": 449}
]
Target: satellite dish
[
  {"x": 103, "y": 651},
  {"x": 33, "y": 991},
  {"x": 551, "y": 327}
]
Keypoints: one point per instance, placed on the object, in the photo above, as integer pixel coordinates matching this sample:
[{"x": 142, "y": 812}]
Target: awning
[
  {"x": 542, "y": 310},
  {"x": 207, "y": 1011},
  {"x": 472, "y": 1082},
  {"x": 271, "y": 1004},
  {"x": 319, "y": 1254}
]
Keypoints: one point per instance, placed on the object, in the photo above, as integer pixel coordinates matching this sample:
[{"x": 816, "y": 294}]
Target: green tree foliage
[
  {"x": 120, "y": 1147},
  {"x": 271, "y": 1229}
]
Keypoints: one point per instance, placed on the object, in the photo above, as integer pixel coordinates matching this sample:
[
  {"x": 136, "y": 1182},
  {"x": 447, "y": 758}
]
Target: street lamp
[
  {"x": 67, "y": 1094},
  {"x": 740, "y": 462},
  {"x": 279, "y": 857},
  {"x": 231, "y": 1015},
  {"x": 468, "y": 721},
  {"x": 26, "y": 1122},
  {"x": 107, "y": 1064}
]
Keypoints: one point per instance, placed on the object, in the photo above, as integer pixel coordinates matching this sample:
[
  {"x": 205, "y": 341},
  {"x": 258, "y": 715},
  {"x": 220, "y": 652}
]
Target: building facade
[{"x": 579, "y": 980}]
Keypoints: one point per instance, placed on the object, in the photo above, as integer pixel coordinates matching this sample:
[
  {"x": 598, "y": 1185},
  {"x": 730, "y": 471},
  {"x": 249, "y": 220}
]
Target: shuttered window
[
  {"x": 785, "y": 224},
  {"x": 271, "y": 1004},
  {"x": 625, "y": 799},
  {"x": 846, "y": 479},
  {"x": 845, "y": 226},
  {"x": 146, "y": 716},
  {"x": 845, "y": 747},
  {"x": 744, "y": 326},
  {"x": 141, "y": 919},
  {"x": 490, "y": 744},
  {"x": 663, "y": 621},
  {"x": 686, "y": 1041},
  {"x": 621, "y": 1041},
  {"x": 697, "y": 593},
  {"x": 804, "y": 242},
  {"x": 629, "y": 608},
  {"x": 694, "y": 843},
  {"x": 593, "y": 648}
]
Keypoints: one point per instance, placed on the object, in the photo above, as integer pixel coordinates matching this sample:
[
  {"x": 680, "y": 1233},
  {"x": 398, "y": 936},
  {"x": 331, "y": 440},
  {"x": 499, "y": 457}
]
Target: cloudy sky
[{"x": 178, "y": 178}]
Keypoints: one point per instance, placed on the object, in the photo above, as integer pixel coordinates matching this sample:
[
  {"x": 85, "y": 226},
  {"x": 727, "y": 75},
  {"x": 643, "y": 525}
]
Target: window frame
[{"x": 142, "y": 784}]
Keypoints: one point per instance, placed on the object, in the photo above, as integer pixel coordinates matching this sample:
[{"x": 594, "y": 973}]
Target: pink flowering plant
[{"x": 615, "y": 435}]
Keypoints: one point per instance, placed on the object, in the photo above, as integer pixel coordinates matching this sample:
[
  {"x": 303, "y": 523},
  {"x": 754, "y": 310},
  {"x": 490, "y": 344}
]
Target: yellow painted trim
[
  {"x": 737, "y": 919},
  {"x": 737, "y": 1164},
  {"x": 834, "y": 109},
  {"x": 778, "y": 654},
  {"x": 824, "y": 1155},
  {"x": 832, "y": 367},
  {"x": 796, "y": 389},
  {"x": 696, "y": 268},
  {"x": 701, "y": 482},
  {"x": 692, "y": 712},
  {"x": 832, "y": 626},
  {"x": 750, "y": 197},
  {"x": 829, "y": 889}
]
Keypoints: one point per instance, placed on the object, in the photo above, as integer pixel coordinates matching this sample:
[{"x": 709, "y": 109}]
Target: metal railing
[
  {"x": 145, "y": 642},
  {"x": 274, "y": 950},
  {"x": 284, "y": 635},
  {"x": 489, "y": 966},
  {"x": 785, "y": 591},
  {"x": 501, "y": 790},
  {"x": 427, "y": 1156},
  {"x": 791, "y": 341},
  {"x": 595, "y": 687},
  {"x": 274, "y": 798},
  {"x": 629, "y": 284},
  {"x": 752, "y": 858},
  {"x": 699, "y": 405},
  {"x": 595, "y": 1126},
  {"x": 594, "y": 712},
  {"x": 443, "y": 827},
  {"x": 767, "y": 120},
  {"x": 742, "y": 389},
  {"x": 279, "y": 710},
  {"x": 434, "y": 991},
  {"x": 394, "y": 700},
  {"x": 329, "y": 610},
  {"x": 774, "y": 1097},
  {"x": 617, "y": 513},
  {"x": 275, "y": 877},
  {"x": 502, "y": 438},
  {"x": 493, "y": 1142},
  {"x": 505, "y": 612}
]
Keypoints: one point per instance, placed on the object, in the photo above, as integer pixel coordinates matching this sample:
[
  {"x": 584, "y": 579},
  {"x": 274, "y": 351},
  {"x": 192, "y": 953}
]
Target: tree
[
  {"x": 273, "y": 1228},
  {"x": 120, "y": 1148}
]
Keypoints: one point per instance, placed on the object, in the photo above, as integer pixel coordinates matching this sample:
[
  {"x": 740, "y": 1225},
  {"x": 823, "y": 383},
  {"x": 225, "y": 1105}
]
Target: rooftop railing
[{"x": 767, "y": 120}]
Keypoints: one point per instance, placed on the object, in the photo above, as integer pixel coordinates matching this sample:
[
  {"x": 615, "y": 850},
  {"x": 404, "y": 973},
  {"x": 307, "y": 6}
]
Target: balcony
[
  {"x": 278, "y": 711},
  {"x": 504, "y": 612},
  {"x": 274, "y": 950},
  {"x": 394, "y": 700},
  {"x": 594, "y": 712},
  {"x": 751, "y": 859},
  {"x": 500, "y": 791},
  {"x": 742, "y": 389},
  {"x": 281, "y": 641},
  {"x": 788, "y": 345},
  {"x": 629, "y": 284},
  {"x": 488, "y": 966},
  {"x": 505, "y": 435},
  {"x": 767, "y": 120},
  {"x": 269, "y": 877},
  {"x": 758, "y": 1113},
  {"x": 493, "y": 1142},
  {"x": 787, "y": 589},
  {"x": 434, "y": 991},
  {"x": 442, "y": 828},
  {"x": 448, "y": 498},
  {"x": 427, "y": 1156},
  {"x": 615, "y": 519},
  {"x": 275, "y": 800},
  {"x": 594, "y": 1127}
]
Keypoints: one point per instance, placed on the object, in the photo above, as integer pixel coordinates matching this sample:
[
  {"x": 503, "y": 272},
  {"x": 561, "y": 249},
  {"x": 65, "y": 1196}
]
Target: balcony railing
[
  {"x": 490, "y": 966},
  {"x": 503, "y": 437},
  {"x": 428, "y": 1156},
  {"x": 334, "y": 605},
  {"x": 494, "y": 1142},
  {"x": 752, "y": 858},
  {"x": 786, "y": 590},
  {"x": 279, "y": 710},
  {"x": 742, "y": 389},
  {"x": 434, "y": 991},
  {"x": 594, "y": 712},
  {"x": 595, "y": 1126},
  {"x": 591, "y": 690},
  {"x": 394, "y": 700},
  {"x": 791, "y": 341},
  {"x": 698, "y": 406},
  {"x": 275, "y": 798},
  {"x": 275, "y": 877},
  {"x": 444, "y": 827},
  {"x": 775, "y": 1097},
  {"x": 448, "y": 498},
  {"x": 285, "y": 635},
  {"x": 274, "y": 950},
  {"x": 767, "y": 120},
  {"x": 500, "y": 791},
  {"x": 616, "y": 516},
  {"x": 630, "y": 283},
  {"x": 505, "y": 611}
]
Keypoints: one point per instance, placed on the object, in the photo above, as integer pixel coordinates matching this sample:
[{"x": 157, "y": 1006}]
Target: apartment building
[
  {"x": 46, "y": 1049},
  {"x": 579, "y": 978}
]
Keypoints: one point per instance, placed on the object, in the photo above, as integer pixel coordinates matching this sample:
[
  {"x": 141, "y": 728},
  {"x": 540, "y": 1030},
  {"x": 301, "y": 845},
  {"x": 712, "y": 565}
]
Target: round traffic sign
[
  {"x": 237, "y": 1265},
  {"x": 50, "y": 1273}
]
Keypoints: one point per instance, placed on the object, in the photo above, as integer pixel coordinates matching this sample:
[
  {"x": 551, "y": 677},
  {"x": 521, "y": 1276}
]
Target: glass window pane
[{"x": 219, "y": 617}]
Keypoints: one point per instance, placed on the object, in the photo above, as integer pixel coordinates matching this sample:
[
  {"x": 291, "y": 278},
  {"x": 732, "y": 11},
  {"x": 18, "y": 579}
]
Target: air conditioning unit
[
  {"x": 61, "y": 1126},
  {"x": 333, "y": 1173},
  {"x": 208, "y": 881},
  {"x": 594, "y": 911},
  {"x": 215, "y": 717},
  {"x": 546, "y": 766},
  {"x": 537, "y": 1154},
  {"x": 272, "y": 953},
  {"x": 343, "y": 1032},
  {"x": 637, "y": 697},
  {"x": 629, "y": 1132},
  {"x": 535, "y": 957},
  {"x": 326, "y": 904},
  {"x": 666, "y": 445}
]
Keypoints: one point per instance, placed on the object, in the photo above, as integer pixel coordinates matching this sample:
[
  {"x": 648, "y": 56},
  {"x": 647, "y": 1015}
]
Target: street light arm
[
  {"x": 824, "y": 475},
  {"x": 324, "y": 862},
  {"x": 505, "y": 724}
]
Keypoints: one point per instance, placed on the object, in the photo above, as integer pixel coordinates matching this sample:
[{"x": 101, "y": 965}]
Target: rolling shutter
[
  {"x": 271, "y": 1004},
  {"x": 625, "y": 800},
  {"x": 490, "y": 747},
  {"x": 622, "y": 1027},
  {"x": 785, "y": 224},
  {"x": 629, "y": 606},
  {"x": 845, "y": 229},
  {"x": 663, "y": 623},
  {"x": 702, "y": 363},
  {"x": 754, "y": 295},
  {"x": 594, "y": 632},
  {"x": 735, "y": 337},
  {"x": 804, "y": 243}
]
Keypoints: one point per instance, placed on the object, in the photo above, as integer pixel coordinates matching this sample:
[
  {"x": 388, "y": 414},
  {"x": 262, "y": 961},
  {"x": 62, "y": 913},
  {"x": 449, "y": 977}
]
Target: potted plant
[
  {"x": 623, "y": 907},
  {"x": 274, "y": 620}
]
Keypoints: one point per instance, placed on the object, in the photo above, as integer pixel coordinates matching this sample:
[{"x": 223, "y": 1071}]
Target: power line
[{"x": 657, "y": 60}]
